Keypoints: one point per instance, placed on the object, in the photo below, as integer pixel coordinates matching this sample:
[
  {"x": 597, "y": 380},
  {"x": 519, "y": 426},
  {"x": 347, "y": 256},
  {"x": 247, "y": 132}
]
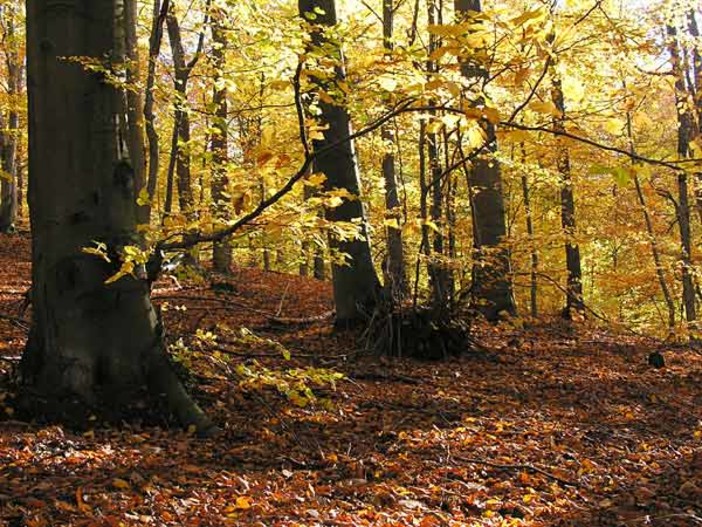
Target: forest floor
[{"x": 555, "y": 426}]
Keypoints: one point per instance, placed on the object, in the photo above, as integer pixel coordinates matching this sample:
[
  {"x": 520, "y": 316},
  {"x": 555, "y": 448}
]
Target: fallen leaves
[{"x": 571, "y": 431}]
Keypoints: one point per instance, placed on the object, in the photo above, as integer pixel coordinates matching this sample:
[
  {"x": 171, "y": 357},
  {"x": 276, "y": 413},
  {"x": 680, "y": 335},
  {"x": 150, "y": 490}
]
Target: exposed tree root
[{"x": 418, "y": 333}]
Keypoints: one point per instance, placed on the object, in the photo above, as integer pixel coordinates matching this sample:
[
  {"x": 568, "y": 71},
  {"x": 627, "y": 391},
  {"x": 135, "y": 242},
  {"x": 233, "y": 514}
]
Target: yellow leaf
[
  {"x": 535, "y": 16},
  {"x": 476, "y": 136},
  {"x": 120, "y": 484},
  {"x": 387, "y": 83},
  {"x": 545, "y": 107},
  {"x": 144, "y": 198},
  {"x": 392, "y": 223},
  {"x": 242, "y": 503}
]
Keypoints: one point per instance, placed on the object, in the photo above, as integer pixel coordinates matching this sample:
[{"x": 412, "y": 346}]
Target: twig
[
  {"x": 17, "y": 321},
  {"x": 518, "y": 466}
]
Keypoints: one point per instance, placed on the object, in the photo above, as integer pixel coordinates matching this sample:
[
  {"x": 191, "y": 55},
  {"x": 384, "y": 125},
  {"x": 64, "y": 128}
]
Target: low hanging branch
[{"x": 309, "y": 158}]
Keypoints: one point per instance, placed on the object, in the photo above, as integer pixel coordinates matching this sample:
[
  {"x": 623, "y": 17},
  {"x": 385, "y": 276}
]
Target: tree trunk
[
  {"x": 158, "y": 17},
  {"x": 686, "y": 132},
  {"x": 439, "y": 278},
  {"x": 9, "y": 122},
  {"x": 221, "y": 250},
  {"x": 394, "y": 266},
  {"x": 653, "y": 241},
  {"x": 492, "y": 282},
  {"x": 356, "y": 284},
  {"x": 180, "y": 154},
  {"x": 93, "y": 348},
  {"x": 135, "y": 105},
  {"x": 574, "y": 285},
  {"x": 534, "y": 255}
]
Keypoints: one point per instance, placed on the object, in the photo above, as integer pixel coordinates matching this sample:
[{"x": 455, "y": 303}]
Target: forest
[{"x": 350, "y": 262}]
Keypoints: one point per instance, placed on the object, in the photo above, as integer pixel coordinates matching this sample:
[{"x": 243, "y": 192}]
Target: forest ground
[{"x": 552, "y": 427}]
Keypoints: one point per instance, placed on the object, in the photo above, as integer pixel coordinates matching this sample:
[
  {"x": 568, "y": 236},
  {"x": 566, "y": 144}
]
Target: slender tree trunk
[
  {"x": 135, "y": 105},
  {"x": 160, "y": 12},
  {"x": 181, "y": 144},
  {"x": 93, "y": 347},
  {"x": 534, "y": 255},
  {"x": 652, "y": 240},
  {"x": 686, "y": 132},
  {"x": 492, "y": 281},
  {"x": 9, "y": 121},
  {"x": 574, "y": 287},
  {"x": 437, "y": 268},
  {"x": 394, "y": 267},
  {"x": 221, "y": 250},
  {"x": 356, "y": 285}
]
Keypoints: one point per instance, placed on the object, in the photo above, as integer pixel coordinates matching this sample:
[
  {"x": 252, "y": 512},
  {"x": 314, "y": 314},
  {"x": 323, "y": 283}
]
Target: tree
[
  {"x": 221, "y": 250},
  {"x": 686, "y": 133},
  {"x": 356, "y": 284},
  {"x": 93, "y": 346},
  {"x": 394, "y": 267},
  {"x": 492, "y": 283},
  {"x": 9, "y": 118}
]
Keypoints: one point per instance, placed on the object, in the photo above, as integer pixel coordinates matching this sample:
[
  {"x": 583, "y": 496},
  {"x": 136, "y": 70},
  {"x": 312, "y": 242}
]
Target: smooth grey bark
[
  {"x": 221, "y": 250},
  {"x": 93, "y": 347},
  {"x": 356, "y": 285},
  {"x": 9, "y": 120},
  {"x": 394, "y": 267},
  {"x": 492, "y": 291}
]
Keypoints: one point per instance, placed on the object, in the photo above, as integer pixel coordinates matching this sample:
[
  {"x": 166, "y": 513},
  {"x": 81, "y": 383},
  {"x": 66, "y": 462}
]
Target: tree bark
[
  {"x": 653, "y": 241},
  {"x": 135, "y": 105},
  {"x": 394, "y": 266},
  {"x": 574, "y": 284},
  {"x": 9, "y": 120},
  {"x": 94, "y": 348},
  {"x": 221, "y": 250},
  {"x": 686, "y": 132},
  {"x": 492, "y": 282},
  {"x": 534, "y": 255},
  {"x": 180, "y": 155},
  {"x": 356, "y": 284},
  {"x": 160, "y": 12}
]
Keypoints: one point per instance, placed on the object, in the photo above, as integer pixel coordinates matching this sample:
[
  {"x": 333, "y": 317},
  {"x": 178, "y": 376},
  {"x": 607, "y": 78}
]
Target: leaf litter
[{"x": 564, "y": 427}]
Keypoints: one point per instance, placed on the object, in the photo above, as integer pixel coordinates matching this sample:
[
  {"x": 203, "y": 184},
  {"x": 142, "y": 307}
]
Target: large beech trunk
[
  {"x": 356, "y": 284},
  {"x": 93, "y": 347}
]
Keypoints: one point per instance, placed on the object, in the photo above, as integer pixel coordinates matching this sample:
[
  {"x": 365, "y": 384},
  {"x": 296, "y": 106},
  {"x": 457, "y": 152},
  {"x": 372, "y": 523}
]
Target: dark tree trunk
[
  {"x": 221, "y": 250},
  {"x": 356, "y": 285},
  {"x": 686, "y": 132},
  {"x": 93, "y": 347},
  {"x": 534, "y": 255},
  {"x": 439, "y": 278},
  {"x": 492, "y": 282},
  {"x": 394, "y": 266},
  {"x": 574, "y": 284},
  {"x": 135, "y": 105},
  {"x": 180, "y": 154},
  {"x": 158, "y": 17}
]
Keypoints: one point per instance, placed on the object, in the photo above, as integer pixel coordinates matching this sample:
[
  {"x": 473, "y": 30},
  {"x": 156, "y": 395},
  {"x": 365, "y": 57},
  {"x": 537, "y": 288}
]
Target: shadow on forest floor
[{"x": 560, "y": 429}]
